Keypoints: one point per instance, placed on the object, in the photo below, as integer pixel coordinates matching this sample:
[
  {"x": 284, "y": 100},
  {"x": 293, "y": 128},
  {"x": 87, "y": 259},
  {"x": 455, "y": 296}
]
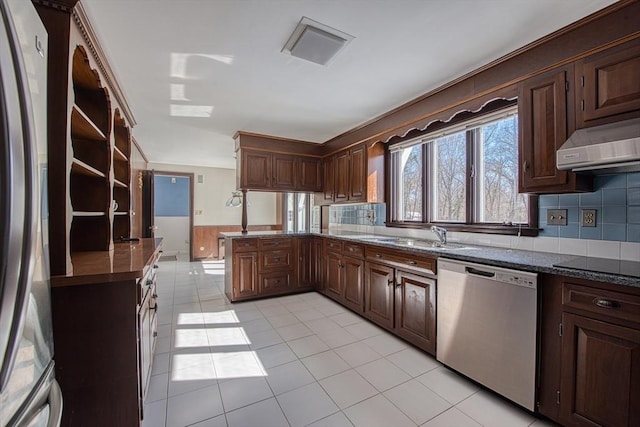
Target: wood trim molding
[
  {"x": 83, "y": 24},
  {"x": 135, "y": 142},
  {"x": 65, "y": 6}
]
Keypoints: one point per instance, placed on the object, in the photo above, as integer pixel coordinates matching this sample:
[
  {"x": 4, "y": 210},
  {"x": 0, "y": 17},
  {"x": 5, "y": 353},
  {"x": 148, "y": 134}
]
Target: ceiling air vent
[{"x": 315, "y": 42}]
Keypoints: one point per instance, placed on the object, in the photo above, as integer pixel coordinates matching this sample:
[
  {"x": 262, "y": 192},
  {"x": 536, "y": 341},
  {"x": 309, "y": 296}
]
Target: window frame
[
  {"x": 307, "y": 211},
  {"x": 470, "y": 224}
]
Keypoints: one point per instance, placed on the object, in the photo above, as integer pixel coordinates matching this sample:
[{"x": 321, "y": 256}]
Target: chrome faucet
[{"x": 441, "y": 234}]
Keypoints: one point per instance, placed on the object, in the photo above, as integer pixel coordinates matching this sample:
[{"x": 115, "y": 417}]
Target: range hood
[{"x": 609, "y": 148}]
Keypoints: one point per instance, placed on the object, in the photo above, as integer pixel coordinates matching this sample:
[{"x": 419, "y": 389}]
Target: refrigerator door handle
[{"x": 18, "y": 196}]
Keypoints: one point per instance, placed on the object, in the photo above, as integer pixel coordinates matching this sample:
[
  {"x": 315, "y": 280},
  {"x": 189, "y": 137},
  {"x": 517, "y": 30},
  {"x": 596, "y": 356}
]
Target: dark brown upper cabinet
[
  {"x": 309, "y": 173},
  {"x": 608, "y": 86},
  {"x": 254, "y": 170},
  {"x": 355, "y": 175},
  {"x": 545, "y": 119},
  {"x": 260, "y": 170},
  {"x": 284, "y": 171}
]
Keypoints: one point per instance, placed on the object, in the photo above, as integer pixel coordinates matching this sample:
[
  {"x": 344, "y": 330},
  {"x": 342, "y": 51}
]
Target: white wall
[
  {"x": 175, "y": 232},
  {"x": 211, "y": 196}
]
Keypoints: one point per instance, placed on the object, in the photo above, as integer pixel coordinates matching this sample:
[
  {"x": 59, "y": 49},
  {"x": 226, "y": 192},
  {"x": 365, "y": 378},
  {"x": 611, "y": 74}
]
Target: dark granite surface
[{"x": 539, "y": 262}]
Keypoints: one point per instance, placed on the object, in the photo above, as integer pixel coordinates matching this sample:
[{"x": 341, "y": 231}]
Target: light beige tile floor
[{"x": 295, "y": 361}]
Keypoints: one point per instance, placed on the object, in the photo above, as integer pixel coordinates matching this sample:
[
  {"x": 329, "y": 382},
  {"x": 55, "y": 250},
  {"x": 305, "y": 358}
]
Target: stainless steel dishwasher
[{"x": 486, "y": 326}]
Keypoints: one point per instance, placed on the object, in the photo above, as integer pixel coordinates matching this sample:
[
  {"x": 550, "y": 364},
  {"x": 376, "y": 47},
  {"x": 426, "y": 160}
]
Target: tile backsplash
[
  {"x": 616, "y": 200},
  {"x": 364, "y": 214}
]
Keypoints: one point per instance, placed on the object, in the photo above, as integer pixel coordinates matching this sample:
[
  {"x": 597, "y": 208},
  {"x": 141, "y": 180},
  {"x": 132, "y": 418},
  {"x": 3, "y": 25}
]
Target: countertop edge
[{"x": 542, "y": 265}]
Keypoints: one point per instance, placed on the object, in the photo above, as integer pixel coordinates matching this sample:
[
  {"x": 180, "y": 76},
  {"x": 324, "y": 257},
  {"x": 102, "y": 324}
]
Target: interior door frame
[{"x": 191, "y": 209}]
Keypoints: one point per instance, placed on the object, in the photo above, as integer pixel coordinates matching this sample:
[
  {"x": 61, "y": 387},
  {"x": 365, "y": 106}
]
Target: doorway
[{"x": 173, "y": 213}]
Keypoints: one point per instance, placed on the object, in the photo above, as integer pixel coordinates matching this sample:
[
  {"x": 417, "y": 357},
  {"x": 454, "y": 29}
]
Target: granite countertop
[{"x": 538, "y": 262}]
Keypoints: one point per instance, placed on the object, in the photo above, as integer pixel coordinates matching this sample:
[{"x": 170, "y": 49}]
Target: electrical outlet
[
  {"x": 556, "y": 217},
  {"x": 588, "y": 218}
]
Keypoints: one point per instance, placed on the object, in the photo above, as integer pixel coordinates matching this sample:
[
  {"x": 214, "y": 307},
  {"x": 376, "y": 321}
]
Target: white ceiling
[{"x": 222, "y": 59}]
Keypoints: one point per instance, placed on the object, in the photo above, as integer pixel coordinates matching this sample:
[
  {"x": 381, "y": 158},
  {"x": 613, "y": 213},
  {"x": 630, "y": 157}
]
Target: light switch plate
[
  {"x": 556, "y": 217},
  {"x": 588, "y": 218}
]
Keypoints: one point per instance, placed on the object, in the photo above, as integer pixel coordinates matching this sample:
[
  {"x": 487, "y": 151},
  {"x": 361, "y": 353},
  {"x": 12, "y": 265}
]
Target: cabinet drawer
[
  {"x": 273, "y": 283},
  {"x": 608, "y": 303},
  {"x": 276, "y": 243},
  {"x": 334, "y": 245},
  {"x": 353, "y": 250},
  {"x": 402, "y": 259},
  {"x": 276, "y": 260},
  {"x": 245, "y": 245}
]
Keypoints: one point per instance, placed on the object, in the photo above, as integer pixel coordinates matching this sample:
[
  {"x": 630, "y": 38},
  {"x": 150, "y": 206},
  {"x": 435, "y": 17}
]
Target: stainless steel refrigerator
[{"x": 29, "y": 394}]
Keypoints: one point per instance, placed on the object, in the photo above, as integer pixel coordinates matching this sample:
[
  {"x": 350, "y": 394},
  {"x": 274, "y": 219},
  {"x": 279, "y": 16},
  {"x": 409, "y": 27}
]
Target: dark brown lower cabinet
[
  {"x": 600, "y": 383},
  {"x": 403, "y": 302},
  {"x": 589, "y": 352},
  {"x": 415, "y": 309},
  {"x": 378, "y": 294},
  {"x": 333, "y": 286},
  {"x": 245, "y": 275},
  {"x": 353, "y": 278}
]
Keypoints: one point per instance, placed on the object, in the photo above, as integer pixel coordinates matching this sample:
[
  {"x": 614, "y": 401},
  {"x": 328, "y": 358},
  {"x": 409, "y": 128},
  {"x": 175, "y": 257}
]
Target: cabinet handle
[
  {"x": 605, "y": 303},
  {"x": 300, "y": 259},
  {"x": 412, "y": 262},
  {"x": 155, "y": 334},
  {"x": 276, "y": 259},
  {"x": 390, "y": 282},
  {"x": 155, "y": 307},
  {"x": 149, "y": 282},
  {"x": 276, "y": 243},
  {"x": 156, "y": 266},
  {"x": 351, "y": 249},
  {"x": 155, "y": 295},
  {"x": 525, "y": 166}
]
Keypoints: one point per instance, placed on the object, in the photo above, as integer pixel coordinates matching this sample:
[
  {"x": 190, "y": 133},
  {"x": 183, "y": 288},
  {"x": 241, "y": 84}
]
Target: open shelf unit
[{"x": 89, "y": 185}]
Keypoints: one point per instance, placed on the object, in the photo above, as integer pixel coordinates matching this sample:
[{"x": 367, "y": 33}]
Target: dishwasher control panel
[{"x": 520, "y": 280}]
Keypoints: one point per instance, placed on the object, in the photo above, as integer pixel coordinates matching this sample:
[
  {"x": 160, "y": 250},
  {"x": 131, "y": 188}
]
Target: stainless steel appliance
[
  {"x": 609, "y": 148},
  {"x": 486, "y": 327},
  {"x": 29, "y": 394}
]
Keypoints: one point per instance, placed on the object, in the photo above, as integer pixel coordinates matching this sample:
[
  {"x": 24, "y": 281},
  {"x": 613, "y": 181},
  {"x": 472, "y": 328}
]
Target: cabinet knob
[
  {"x": 351, "y": 249},
  {"x": 378, "y": 255},
  {"x": 412, "y": 262},
  {"x": 276, "y": 259},
  {"x": 606, "y": 303}
]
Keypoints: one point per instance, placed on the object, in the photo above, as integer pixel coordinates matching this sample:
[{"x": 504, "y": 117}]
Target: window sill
[{"x": 509, "y": 230}]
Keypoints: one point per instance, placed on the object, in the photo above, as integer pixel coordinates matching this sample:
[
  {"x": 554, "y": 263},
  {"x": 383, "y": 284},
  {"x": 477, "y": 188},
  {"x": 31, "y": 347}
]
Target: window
[
  {"x": 296, "y": 211},
  {"x": 464, "y": 176}
]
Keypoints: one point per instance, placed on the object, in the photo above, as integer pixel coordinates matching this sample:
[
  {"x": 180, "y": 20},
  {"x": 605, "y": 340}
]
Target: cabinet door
[
  {"x": 610, "y": 83},
  {"x": 306, "y": 261},
  {"x": 353, "y": 275},
  {"x": 144, "y": 342},
  {"x": 245, "y": 277},
  {"x": 255, "y": 170},
  {"x": 542, "y": 114},
  {"x": 333, "y": 275},
  {"x": 600, "y": 383},
  {"x": 308, "y": 173},
  {"x": 341, "y": 168},
  {"x": 378, "y": 294},
  {"x": 284, "y": 172},
  {"x": 328, "y": 182},
  {"x": 358, "y": 174},
  {"x": 415, "y": 310},
  {"x": 317, "y": 261}
]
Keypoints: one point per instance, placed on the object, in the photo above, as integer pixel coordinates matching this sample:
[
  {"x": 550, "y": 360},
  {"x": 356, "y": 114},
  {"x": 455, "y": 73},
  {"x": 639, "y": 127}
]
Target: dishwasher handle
[{"x": 471, "y": 270}]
